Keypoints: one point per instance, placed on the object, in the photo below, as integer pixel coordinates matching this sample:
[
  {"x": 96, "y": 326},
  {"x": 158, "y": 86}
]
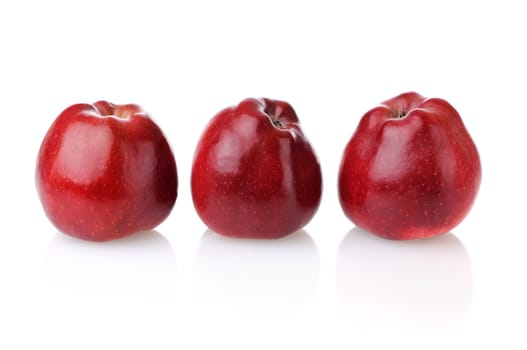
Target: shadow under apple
[
  {"x": 422, "y": 284},
  {"x": 256, "y": 277}
]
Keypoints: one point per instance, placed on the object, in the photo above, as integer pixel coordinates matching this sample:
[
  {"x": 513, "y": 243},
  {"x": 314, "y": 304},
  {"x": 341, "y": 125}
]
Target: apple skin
[
  {"x": 255, "y": 175},
  {"x": 411, "y": 169},
  {"x": 105, "y": 171}
]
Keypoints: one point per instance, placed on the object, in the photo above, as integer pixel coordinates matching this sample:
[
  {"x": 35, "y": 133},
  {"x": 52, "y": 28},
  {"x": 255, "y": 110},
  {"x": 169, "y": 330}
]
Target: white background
[{"x": 331, "y": 286}]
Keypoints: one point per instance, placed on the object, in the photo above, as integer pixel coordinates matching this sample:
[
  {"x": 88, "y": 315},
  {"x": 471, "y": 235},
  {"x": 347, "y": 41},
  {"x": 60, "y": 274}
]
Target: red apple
[
  {"x": 411, "y": 170},
  {"x": 255, "y": 174},
  {"x": 105, "y": 171}
]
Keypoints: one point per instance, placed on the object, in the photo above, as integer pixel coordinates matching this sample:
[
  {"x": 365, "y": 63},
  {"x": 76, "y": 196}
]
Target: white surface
[{"x": 328, "y": 287}]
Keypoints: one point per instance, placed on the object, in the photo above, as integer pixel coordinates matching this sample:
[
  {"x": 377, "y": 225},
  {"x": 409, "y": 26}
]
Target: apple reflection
[
  {"x": 256, "y": 277},
  {"x": 403, "y": 284},
  {"x": 138, "y": 264}
]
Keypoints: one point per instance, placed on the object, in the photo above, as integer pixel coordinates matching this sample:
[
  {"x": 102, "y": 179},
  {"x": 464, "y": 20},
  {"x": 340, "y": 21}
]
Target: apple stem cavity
[
  {"x": 107, "y": 109},
  {"x": 274, "y": 116},
  {"x": 277, "y": 123},
  {"x": 399, "y": 114},
  {"x": 123, "y": 114}
]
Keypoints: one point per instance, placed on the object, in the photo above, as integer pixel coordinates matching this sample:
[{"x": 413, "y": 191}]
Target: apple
[
  {"x": 254, "y": 174},
  {"x": 105, "y": 171},
  {"x": 410, "y": 170}
]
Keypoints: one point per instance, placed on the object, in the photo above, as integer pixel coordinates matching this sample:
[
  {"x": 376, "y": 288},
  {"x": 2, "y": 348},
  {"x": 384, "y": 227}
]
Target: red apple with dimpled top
[
  {"x": 255, "y": 175},
  {"x": 411, "y": 169},
  {"x": 105, "y": 171}
]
